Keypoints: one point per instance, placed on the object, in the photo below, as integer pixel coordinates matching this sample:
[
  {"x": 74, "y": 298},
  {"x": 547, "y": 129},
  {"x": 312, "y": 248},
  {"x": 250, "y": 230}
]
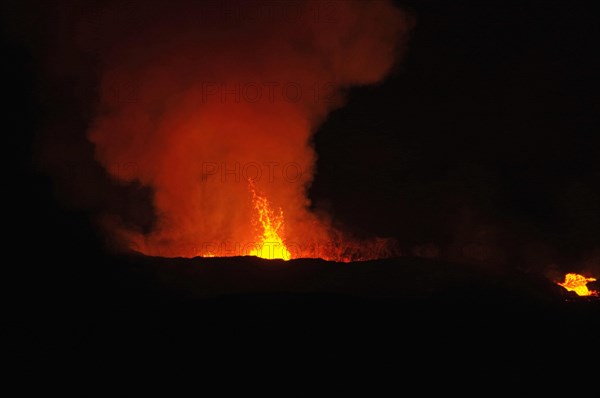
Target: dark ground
[{"x": 225, "y": 308}]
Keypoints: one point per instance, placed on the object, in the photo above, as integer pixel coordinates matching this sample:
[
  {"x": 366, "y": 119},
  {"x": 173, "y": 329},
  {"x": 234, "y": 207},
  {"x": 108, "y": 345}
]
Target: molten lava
[
  {"x": 270, "y": 245},
  {"x": 578, "y": 284}
]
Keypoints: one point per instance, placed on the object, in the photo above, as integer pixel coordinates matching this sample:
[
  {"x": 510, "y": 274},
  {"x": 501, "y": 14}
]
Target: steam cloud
[{"x": 197, "y": 97}]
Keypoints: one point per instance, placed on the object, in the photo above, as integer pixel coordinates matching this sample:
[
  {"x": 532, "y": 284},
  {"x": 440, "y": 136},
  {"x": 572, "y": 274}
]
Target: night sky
[
  {"x": 480, "y": 147},
  {"x": 485, "y": 134}
]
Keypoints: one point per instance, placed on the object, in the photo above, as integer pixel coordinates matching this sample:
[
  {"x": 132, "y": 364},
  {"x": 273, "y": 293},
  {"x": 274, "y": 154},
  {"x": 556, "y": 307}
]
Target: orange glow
[
  {"x": 269, "y": 242},
  {"x": 578, "y": 284},
  {"x": 195, "y": 118},
  {"x": 269, "y": 245}
]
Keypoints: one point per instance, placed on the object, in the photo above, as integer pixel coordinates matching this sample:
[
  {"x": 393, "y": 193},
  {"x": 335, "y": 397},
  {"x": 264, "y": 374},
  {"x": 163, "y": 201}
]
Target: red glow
[{"x": 215, "y": 101}]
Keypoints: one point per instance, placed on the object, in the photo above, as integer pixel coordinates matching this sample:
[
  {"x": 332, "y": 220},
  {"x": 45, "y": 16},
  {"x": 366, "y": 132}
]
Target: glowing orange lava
[
  {"x": 268, "y": 240},
  {"x": 269, "y": 245},
  {"x": 578, "y": 284}
]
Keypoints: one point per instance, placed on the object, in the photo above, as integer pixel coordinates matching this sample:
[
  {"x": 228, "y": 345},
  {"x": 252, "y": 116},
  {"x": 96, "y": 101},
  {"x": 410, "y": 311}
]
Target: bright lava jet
[{"x": 578, "y": 284}]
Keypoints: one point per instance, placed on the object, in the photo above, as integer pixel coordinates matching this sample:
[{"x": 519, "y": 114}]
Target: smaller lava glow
[{"x": 578, "y": 284}]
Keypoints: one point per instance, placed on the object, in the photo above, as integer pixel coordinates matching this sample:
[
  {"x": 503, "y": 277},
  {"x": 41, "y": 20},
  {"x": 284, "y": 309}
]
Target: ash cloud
[{"x": 192, "y": 98}]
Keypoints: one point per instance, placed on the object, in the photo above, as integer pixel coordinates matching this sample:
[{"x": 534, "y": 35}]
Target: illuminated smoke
[{"x": 197, "y": 97}]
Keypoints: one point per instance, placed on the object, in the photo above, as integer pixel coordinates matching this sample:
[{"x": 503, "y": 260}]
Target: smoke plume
[{"x": 196, "y": 98}]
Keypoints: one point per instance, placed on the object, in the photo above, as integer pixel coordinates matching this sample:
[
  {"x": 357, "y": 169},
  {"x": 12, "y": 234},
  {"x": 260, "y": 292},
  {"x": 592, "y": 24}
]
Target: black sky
[{"x": 486, "y": 134}]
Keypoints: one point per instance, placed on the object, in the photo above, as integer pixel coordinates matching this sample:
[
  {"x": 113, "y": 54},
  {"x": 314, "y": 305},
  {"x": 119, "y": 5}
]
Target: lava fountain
[{"x": 270, "y": 245}]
